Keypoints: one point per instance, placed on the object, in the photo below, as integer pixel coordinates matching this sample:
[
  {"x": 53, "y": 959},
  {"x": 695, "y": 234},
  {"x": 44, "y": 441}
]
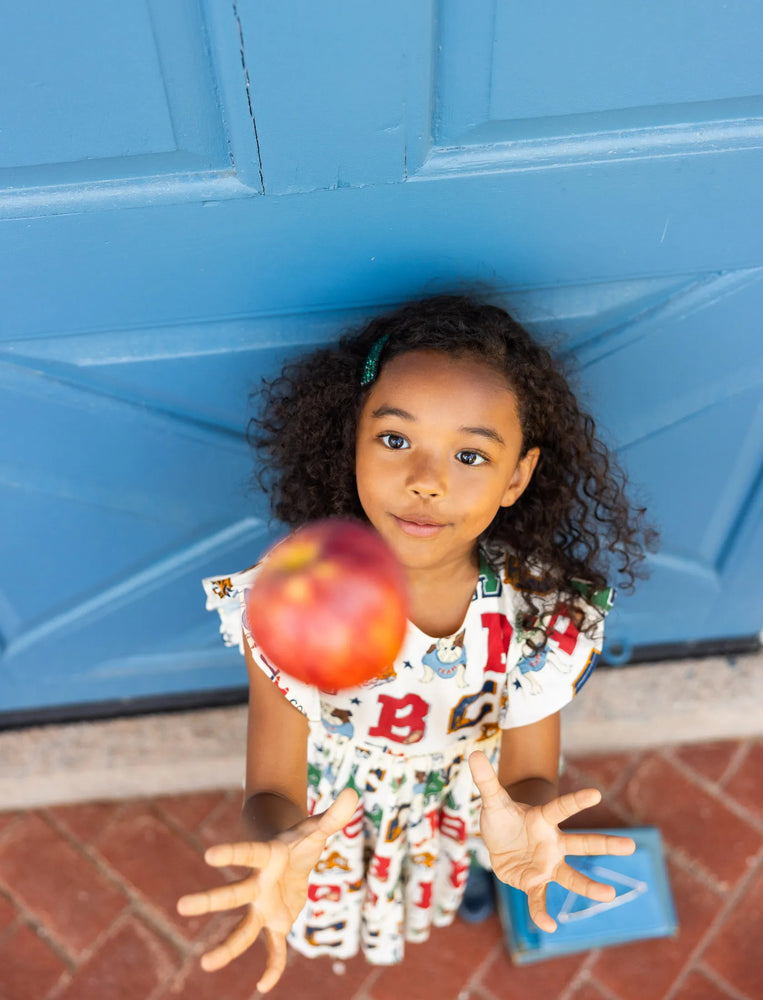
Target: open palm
[
  {"x": 274, "y": 893},
  {"x": 527, "y": 849}
]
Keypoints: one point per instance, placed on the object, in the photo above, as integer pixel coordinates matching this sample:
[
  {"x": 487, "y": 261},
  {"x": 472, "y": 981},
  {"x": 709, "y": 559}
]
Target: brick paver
[
  {"x": 698, "y": 987},
  {"x": 61, "y": 887},
  {"x": 190, "y": 811},
  {"x": 692, "y": 819},
  {"x": 87, "y": 821},
  {"x": 735, "y": 952},
  {"x": 8, "y": 913},
  {"x": 29, "y": 968},
  {"x": 131, "y": 962},
  {"x": 157, "y": 861},
  {"x": 87, "y": 896},
  {"x": 710, "y": 760}
]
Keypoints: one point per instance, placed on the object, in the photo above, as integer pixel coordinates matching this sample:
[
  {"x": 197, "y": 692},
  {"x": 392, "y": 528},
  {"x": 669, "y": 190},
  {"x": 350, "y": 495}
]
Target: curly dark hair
[{"x": 574, "y": 522}]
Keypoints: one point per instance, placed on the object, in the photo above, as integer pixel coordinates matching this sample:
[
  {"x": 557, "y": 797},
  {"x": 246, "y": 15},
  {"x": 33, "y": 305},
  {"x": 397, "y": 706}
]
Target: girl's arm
[
  {"x": 529, "y": 766},
  {"x": 284, "y": 843},
  {"x": 276, "y": 759}
]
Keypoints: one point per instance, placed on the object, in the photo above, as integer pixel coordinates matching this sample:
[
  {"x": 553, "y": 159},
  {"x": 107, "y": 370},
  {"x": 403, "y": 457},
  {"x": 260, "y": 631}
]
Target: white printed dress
[{"x": 402, "y": 741}]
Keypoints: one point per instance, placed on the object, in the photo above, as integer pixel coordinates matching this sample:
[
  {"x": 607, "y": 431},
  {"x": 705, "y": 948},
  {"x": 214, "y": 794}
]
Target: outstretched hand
[
  {"x": 274, "y": 893},
  {"x": 527, "y": 848}
]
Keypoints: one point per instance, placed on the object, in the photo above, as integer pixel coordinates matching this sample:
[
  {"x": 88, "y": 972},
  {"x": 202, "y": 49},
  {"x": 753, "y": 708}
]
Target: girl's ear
[{"x": 523, "y": 473}]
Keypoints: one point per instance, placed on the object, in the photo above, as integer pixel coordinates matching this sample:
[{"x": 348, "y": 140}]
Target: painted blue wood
[
  {"x": 328, "y": 115},
  {"x": 163, "y": 264},
  {"x": 107, "y": 105},
  {"x": 74, "y": 103},
  {"x": 557, "y": 69},
  {"x": 180, "y": 214},
  {"x": 653, "y": 54}
]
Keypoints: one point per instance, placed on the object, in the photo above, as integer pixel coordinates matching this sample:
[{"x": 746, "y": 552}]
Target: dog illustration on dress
[
  {"x": 446, "y": 658},
  {"x": 533, "y": 661},
  {"x": 337, "y": 721}
]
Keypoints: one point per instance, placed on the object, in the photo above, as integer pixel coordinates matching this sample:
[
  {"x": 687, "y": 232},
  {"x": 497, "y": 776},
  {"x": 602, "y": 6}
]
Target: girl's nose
[{"x": 427, "y": 479}]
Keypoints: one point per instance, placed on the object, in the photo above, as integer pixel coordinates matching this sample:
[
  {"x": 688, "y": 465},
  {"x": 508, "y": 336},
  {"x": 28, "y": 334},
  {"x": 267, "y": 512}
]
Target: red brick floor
[{"x": 87, "y": 897}]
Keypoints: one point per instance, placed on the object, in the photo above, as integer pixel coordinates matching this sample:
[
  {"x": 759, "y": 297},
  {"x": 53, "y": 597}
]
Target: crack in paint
[{"x": 249, "y": 92}]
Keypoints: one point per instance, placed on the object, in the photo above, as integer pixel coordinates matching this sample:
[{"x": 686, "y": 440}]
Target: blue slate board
[{"x": 643, "y": 907}]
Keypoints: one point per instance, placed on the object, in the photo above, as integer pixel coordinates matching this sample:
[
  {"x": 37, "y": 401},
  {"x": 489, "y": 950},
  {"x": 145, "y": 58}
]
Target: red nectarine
[{"x": 329, "y": 605}]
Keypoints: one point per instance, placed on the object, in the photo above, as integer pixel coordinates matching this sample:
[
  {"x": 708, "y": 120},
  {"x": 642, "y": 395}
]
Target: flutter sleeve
[
  {"x": 227, "y": 595},
  {"x": 538, "y": 684}
]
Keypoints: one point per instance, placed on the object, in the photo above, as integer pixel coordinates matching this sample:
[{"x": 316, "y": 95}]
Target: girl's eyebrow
[
  {"x": 394, "y": 411},
  {"x": 487, "y": 432}
]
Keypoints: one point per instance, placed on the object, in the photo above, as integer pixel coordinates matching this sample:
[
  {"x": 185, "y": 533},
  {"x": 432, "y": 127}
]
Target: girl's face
[{"x": 437, "y": 454}]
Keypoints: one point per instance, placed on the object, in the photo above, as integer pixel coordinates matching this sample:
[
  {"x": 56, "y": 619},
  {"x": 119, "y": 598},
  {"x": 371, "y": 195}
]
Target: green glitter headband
[{"x": 371, "y": 365}]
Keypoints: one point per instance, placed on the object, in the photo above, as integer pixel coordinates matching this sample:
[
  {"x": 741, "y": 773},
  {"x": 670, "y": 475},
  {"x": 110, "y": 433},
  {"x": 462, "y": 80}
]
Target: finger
[
  {"x": 276, "y": 961},
  {"x": 536, "y": 901},
  {"x": 340, "y": 812},
  {"x": 597, "y": 843},
  {"x": 557, "y": 810},
  {"x": 491, "y": 790},
  {"x": 305, "y": 854},
  {"x": 580, "y": 884},
  {"x": 250, "y": 854},
  {"x": 225, "y": 897},
  {"x": 235, "y": 944},
  {"x": 338, "y": 815}
]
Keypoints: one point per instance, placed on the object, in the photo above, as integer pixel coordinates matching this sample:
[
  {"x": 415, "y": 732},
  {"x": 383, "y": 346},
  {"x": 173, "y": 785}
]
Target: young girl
[{"x": 456, "y": 436}]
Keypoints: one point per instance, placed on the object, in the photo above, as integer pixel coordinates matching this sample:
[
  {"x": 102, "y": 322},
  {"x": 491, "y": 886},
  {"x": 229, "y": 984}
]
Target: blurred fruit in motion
[{"x": 329, "y": 605}]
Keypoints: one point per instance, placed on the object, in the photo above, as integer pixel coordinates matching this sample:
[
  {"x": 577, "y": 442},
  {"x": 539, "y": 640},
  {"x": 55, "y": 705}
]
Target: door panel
[
  {"x": 638, "y": 58},
  {"x": 182, "y": 211},
  {"x": 118, "y": 97}
]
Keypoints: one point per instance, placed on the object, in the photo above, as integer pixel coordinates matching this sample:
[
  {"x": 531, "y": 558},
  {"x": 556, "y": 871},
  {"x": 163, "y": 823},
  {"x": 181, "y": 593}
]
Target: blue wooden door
[{"x": 191, "y": 190}]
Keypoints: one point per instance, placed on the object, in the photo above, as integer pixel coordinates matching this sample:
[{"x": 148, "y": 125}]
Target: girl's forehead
[
  {"x": 422, "y": 370},
  {"x": 433, "y": 381}
]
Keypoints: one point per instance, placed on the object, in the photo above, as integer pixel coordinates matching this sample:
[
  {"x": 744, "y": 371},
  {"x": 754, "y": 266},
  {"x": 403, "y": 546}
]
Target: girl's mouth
[{"x": 417, "y": 529}]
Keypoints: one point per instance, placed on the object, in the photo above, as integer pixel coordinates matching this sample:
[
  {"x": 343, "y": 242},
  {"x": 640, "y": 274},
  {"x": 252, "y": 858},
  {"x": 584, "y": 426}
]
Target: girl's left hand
[{"x": 527, "y": 848}]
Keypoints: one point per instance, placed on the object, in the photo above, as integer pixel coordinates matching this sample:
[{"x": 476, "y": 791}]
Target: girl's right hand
[{"x": 274, "y": 893}]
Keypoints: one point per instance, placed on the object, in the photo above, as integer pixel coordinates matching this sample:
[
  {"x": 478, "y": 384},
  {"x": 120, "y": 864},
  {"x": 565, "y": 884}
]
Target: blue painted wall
[{"x": 192, "y": 191}]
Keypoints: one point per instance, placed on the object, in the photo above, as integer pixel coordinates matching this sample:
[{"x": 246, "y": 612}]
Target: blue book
[{"x": 643, "y": 907}]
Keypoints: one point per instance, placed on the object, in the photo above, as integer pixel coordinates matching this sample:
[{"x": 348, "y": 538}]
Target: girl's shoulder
[
  {"x": 229, "y": 587},
  {"x": 501, "y": 576},
  {"x": 227, "y": 596}
]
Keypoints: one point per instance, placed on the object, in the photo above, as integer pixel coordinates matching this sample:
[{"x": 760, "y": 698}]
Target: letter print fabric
[{"x": 402, "y": 741}]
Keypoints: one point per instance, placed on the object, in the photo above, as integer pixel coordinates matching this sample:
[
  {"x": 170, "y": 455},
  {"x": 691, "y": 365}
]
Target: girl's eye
[
  {"x": 396, "y": 442},
  {"x": 471, "y": 458}
]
